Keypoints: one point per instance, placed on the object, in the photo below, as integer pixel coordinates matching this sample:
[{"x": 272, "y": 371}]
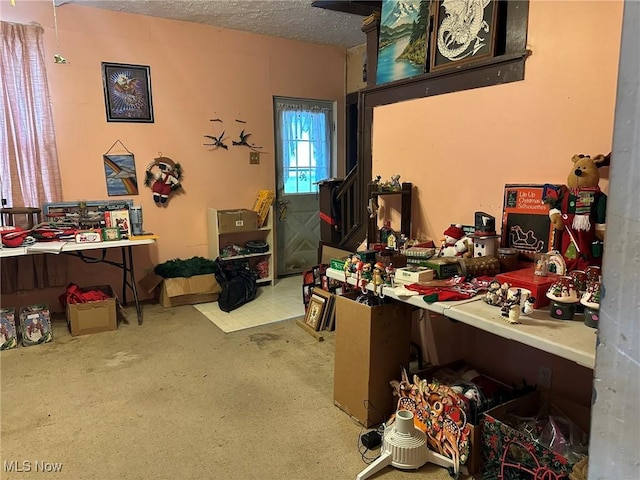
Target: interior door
[{"x": 304, "y": 156}]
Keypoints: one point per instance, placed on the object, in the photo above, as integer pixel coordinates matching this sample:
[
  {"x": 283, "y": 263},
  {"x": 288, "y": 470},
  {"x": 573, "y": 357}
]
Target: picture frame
[
  {"x": 127, "y": 92},
  {"x": 110, "y": 234},
  {"x": 120, "y": 174},
  {"x": 328, "y": 314},
  {"x": 403, "y": 42},
  {"x": 525, "y": 220},
  {"x": 479, "y": 39},
  {"x": 315, "y": 311}
]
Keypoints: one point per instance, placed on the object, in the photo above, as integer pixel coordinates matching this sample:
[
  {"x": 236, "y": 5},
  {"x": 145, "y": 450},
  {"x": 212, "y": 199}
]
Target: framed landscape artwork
[
  {"x": 127, "y": 92},
  {"x": 464, "y": 31},
  {"x": 403, "y": 44}
]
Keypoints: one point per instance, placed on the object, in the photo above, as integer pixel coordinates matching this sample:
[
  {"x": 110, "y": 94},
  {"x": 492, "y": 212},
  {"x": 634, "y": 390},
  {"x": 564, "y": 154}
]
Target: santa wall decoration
[{"x": 163, "y": 176}]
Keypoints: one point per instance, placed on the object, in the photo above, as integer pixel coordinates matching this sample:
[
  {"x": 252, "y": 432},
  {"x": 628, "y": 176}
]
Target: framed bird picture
[{"x": 127, "y": 92}]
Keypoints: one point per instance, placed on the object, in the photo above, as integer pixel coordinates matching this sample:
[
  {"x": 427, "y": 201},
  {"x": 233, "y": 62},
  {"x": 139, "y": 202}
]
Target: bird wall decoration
[
  {"x": 217, "y": 141},
  {"x": 243, "y": 141}
]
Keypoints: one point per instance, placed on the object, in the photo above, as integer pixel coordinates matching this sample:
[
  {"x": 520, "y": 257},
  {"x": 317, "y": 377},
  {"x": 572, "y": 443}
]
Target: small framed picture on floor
[{"x": 315, "y": 310}]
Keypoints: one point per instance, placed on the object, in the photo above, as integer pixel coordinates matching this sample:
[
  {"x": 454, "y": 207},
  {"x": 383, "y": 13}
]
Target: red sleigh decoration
[{"x": 540, "y": 472}]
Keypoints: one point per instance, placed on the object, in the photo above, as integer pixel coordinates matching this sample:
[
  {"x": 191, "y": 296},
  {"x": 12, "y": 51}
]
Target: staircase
[{"x": 345, "y": 224}]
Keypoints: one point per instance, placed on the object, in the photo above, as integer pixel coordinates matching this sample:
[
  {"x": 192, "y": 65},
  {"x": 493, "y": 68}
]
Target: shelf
[
  {"x": 248, "y": 255},
  {"x": 263, "y": 233},
  {"x": 569, "y": 339},
  {"x": 378, "y": 193},
  {"x": 405, "y": 210}
]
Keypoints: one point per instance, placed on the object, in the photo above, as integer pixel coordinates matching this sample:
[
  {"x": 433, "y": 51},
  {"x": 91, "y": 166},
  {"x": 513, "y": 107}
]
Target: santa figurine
[
  {"x": 163, "y": 181},
  {"x": 451, "y": 236}
]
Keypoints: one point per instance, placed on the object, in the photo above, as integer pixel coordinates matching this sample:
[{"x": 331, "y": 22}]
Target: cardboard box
[
  {"x": 444, "y": 267},
  {"x": 396, "y": 259},
  {"x": 35, "y": 325},
  {"x": 93, "y": 317},
  {"x": 537, "y": 285},
  {"x": 8, "y": 330},
  {"x": 262, "y": 204},
  {"x": 371, "y": 346},
  {"x": 510, "y": 452},
  {"x": 173, "y": 292},
  {"x": 243, "y": 220},
  {"x": 414, "y": 274}
]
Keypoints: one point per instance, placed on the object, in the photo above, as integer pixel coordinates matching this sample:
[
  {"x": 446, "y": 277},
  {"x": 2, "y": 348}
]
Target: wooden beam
[{"x": 362, "y": 8}]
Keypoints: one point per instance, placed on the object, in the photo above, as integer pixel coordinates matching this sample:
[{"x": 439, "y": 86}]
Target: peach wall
[
  {"x": 460, "y": 149},
  {"x": 197, "y": 73},
  {"x": 356, "y": 56}
]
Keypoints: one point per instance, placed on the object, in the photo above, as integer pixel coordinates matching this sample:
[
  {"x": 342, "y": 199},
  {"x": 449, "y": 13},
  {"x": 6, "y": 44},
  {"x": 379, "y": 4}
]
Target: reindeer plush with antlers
[{"x": 578, "y": 212}]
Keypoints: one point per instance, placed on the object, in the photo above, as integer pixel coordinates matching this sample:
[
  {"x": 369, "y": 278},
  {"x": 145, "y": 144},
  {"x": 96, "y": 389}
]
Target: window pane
[{"x": 306, "y": 147}]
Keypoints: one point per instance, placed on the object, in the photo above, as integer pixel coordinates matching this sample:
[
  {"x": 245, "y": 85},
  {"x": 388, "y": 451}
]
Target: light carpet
[{"x": 282, "y": 301}]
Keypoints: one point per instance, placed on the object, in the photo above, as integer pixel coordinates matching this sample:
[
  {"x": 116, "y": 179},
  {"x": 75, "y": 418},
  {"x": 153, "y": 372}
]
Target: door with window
[{"x": 305, "y": 147}]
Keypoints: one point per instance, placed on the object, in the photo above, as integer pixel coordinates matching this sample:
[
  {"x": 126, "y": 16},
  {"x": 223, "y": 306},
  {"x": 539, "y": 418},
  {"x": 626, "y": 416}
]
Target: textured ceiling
[{"x": 293, "y": 19}]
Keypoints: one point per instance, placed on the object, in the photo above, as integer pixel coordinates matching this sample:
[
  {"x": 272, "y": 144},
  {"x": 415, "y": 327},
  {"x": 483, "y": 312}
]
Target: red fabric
[
  {"x": 13, "y": 237},
  {"x": 75, "y": 294},
  {"x": 439, "y": 294},
  {"x": 456, "y": 288}
]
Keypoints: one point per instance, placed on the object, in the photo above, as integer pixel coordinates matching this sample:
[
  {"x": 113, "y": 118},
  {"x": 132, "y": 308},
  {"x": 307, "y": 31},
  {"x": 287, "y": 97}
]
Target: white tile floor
[{"x": 281, "y": 301}]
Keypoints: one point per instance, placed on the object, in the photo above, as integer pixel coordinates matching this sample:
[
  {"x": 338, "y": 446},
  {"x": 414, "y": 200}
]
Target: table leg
[{"x": 129, "y": 280}]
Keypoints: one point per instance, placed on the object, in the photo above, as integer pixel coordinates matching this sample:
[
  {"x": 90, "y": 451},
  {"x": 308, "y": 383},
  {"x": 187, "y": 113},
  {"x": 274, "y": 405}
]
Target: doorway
[{"x": 305, "y": 153}]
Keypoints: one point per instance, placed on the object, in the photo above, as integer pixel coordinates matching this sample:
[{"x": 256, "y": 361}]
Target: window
[{"x": 303, "y": 143}]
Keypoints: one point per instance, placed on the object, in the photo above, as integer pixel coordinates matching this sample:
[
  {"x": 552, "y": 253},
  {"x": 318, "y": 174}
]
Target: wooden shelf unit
[
  {"x": 218, "y": 241},
  {"x": 405, "y": 210}
]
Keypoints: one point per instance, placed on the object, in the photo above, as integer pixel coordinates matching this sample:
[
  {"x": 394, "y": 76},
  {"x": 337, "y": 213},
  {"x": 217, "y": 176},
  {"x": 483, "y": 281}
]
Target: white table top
[
  {"x": 415, "y": 300},
  {"x": 59, "y": 247},
  {"x": 570, "y": 339}
]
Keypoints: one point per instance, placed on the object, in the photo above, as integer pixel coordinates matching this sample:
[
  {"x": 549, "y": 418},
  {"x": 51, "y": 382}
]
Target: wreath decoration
[{"x": 163, "y": 176}]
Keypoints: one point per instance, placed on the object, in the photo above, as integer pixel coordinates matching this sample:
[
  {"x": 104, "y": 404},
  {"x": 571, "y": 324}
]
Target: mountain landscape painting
[{"x": 402, "y": 44}]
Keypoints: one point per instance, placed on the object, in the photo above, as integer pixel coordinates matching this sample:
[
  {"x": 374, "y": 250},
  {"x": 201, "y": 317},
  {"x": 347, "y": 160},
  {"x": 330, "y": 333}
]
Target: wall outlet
[
  {"x": 544, "y": 377},
  {"x": 254, "y": 158}
]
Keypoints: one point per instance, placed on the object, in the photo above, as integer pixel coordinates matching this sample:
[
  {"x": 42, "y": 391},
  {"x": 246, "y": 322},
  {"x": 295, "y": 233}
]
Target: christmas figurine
[
  {"x": 451, "y": 236},
  {"x": 378, "y": 277},
  {"x": 511, "y": 307},
  {"x": 578, "y": 210},
  {"x": 165, "y": 180},
  {"x": 527, "y": 308}
]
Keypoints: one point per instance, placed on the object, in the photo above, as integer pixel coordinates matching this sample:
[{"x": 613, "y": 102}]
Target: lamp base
[{"x": 562, "y": 311}]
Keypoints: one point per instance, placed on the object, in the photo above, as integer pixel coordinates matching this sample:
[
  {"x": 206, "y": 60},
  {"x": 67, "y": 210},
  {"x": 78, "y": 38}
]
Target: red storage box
[{"x": 525, "y": 278}]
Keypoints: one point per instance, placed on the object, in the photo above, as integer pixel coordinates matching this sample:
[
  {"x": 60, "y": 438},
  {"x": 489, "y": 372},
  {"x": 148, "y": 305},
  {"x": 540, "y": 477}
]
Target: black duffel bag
[{"x": 238, "y": 285}]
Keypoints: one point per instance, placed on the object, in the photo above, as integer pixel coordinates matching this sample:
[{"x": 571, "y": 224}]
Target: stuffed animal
[
  {"x": 451, "y": 235},
  {"x": 577, "y": 212},
  {"x": 464, "y": 247}
]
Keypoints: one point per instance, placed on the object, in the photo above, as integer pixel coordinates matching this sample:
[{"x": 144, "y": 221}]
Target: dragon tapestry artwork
[{"x": 463, "y": 31}]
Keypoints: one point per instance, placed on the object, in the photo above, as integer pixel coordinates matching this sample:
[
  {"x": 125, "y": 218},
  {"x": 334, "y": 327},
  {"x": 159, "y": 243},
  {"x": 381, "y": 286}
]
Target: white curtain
[
  {"x": 29, "y": 174},
  {"x": 29, "y": 171},
  {"x": 296, "y": 118}
]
